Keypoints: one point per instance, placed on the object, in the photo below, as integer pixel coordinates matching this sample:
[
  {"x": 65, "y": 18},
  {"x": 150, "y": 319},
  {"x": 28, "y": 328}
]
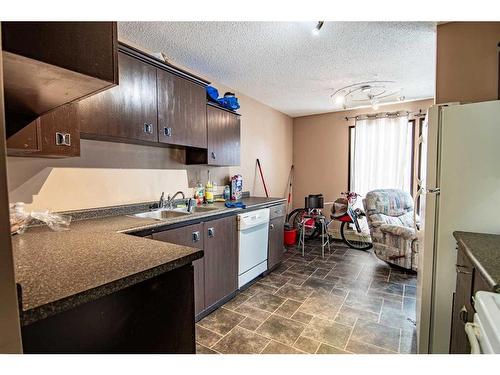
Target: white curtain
[{"x": 382, "y": 154}]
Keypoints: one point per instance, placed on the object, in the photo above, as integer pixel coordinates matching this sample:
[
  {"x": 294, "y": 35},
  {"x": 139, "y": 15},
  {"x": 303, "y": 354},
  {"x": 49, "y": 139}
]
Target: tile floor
[{"x": 348, "y": 302}]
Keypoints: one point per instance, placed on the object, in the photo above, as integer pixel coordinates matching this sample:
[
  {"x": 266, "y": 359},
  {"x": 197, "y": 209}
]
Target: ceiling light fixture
[
  {"x": 318, "y": 27},
  {"x": 366, "y": 93},
  {"x": 340, "y": 99}
]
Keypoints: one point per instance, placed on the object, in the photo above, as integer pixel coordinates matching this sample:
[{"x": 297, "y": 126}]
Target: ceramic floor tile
[
  {"x": 348, "y": 315},
  {"x": 252, "y": 312},
  {"x": 307, "y": 345},
  {"x": 274, "y": 280},
  {"x": 395, "y": 317},
  {"x": 297, "y": 293},
  {"x": 275, "y": 347},
  {"x": 302, "y": 270},
  {"x": 302, "y": 317},
  {"x": 200, "y": 349},
  {"x": 265, "y": 301},
  {"x": 318, "y": 284},
  {"x": 221, "y": 321},
  {"x": 259, "y": 288},
  {"x": 386, "y": 287},
  {"x": 410, "y": 291},
  {"x": 324, "y": 306},
  {"x": 403, "y": 278},
  {"x": 408, "y": 344},
  {"x": 205, "y": 337},
  {"x": 288, "y": 308},
  {"x": 281, "y": 329},
  {"x": 376, "y": 334},
  {"x": 250, "y": 323},
  {"x": 363, "y": 302},
  {"x": 237, "y": 300},
  {"x": 320, "y": 273},
  {"x": 327, "y": 332},
  {"x": 241, "y": 341},
  {"x": 364, "y": 348},
  {"x": 328, "y": 349}
]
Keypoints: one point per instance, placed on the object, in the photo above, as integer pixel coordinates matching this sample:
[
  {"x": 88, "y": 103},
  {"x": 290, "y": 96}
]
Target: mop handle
[{"x": 262, "y": 177}]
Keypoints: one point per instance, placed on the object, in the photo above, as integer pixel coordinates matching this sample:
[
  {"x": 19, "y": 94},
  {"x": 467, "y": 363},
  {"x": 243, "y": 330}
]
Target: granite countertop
[
  {"x": 484, "y": 252},
  {"x": 56, "y": 271}
]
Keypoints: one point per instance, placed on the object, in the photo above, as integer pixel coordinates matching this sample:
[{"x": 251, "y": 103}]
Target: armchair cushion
[{"x": 400, "y": 231}]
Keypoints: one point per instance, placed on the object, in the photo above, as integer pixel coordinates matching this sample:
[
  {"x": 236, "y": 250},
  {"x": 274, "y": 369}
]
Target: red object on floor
[{"x": 290, "y": 236}]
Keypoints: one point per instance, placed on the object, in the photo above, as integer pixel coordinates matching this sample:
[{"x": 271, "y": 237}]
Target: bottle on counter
[
  {"x": 199, "y": 193},
  {"x": 227, "y": 193},
  {"x": 209, "y": 191}
]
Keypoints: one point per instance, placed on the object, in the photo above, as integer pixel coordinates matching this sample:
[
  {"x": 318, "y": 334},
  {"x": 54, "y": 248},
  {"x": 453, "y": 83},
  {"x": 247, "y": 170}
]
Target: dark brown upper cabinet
[
  {"x": 181, "y": 111},
  {"x": 54, "y": 134},
  {"x": 125, "y": 112},
  {"x": 49, "y": 64},
  {"x": 223, "y": 136}
]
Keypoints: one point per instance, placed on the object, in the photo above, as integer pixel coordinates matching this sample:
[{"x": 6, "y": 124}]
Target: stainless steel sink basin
[
  {"x": 176, "y": 212},
  {"x": 161, "y": 214}
]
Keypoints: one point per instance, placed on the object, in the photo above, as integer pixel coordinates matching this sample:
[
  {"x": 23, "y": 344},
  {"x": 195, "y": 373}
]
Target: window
[{"x": 381, "y": 154}]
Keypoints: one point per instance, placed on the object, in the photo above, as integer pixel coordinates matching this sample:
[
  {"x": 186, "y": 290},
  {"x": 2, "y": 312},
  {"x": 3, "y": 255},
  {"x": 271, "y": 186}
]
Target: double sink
[{"x": 165, "y": 214}]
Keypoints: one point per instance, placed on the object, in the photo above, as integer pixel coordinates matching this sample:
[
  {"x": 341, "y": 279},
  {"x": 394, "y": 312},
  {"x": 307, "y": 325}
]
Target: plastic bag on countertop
[{"x": 20, "y": 219}]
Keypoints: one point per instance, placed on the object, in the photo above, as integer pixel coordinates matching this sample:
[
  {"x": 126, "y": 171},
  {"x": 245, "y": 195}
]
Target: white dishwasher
[{"x": 253, "y": 233}]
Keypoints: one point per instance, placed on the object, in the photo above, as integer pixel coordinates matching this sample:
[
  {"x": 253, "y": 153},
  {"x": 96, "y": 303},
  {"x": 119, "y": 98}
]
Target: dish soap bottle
[{"x": 209, "y": 190}]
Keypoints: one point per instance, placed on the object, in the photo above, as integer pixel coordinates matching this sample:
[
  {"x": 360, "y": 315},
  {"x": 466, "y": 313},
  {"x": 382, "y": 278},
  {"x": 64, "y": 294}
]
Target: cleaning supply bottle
[
  {"x": 209, "y": 190},
  {"x": 199, "y": 193}
]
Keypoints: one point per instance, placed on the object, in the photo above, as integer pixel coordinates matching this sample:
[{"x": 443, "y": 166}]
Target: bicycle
[{"x": 343, "y": 211}]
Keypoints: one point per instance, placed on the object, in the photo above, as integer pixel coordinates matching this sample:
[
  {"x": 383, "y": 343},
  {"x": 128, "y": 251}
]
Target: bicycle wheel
[
  {"x": 359, "y": 240},
  {"x": 295, "y": 219}
]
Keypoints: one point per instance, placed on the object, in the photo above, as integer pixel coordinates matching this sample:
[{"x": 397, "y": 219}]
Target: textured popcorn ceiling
[{"x": 284, "y": 66}]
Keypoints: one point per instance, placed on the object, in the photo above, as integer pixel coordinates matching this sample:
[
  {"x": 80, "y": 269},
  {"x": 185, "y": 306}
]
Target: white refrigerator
[{"x": 459, "y": 190}]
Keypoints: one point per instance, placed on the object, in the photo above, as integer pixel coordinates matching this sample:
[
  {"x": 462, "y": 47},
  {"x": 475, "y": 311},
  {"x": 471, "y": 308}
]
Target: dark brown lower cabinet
[
  {"x": 276, "y": 229},
  {"x": 191, "y": 235},
  {"x": 469, "y": 281},
  {"x": 221, "y": 259},
  {"x": 153, "y": 316},
  {"x": 216, "y": 274}
]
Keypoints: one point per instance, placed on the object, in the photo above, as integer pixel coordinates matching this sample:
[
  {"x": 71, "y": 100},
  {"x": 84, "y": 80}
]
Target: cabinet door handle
[
  {"x": 63, "y": 139},
  {"x": 211, "y": 232},
  {"x": 148, "y": 128},
  {"x": 271, "y": 226},
  {"x": 196, "y": 236},
  {"x": 463, "y": 314},
  {"x": 167, "y": 132},
  {"x": 213, "y": 155},
  {"x": 462, "y": 269}
]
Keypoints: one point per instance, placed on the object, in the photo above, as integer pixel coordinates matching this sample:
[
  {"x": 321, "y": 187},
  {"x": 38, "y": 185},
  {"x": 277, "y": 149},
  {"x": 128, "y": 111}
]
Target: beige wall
[
  {"x": 321, "y": 148},
  {"x": 265, "y": 133},
  {"x": 467, "y": 62}
]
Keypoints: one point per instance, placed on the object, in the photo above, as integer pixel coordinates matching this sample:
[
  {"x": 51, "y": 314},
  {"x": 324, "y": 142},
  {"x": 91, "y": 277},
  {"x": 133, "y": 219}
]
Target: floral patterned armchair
[{"x": 389, "y": 213}]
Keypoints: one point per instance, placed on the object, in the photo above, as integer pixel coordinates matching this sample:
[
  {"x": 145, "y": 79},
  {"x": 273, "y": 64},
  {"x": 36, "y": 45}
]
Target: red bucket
[{"x": 290, "y": 236}]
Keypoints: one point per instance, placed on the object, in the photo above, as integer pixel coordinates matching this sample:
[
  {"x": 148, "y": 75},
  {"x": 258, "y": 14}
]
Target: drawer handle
[
  {"x": 148, "y": 128},
  {"x": 211, "y": 232},
  {"x": 167, "y": 132},
  {"x": 213, "y": 155},
  {"x": 196, "y": 236},
  {"x": 464, "y": 314},
  {"x": 462, "y": 269},
  {"x": 63, "y": 139}
]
